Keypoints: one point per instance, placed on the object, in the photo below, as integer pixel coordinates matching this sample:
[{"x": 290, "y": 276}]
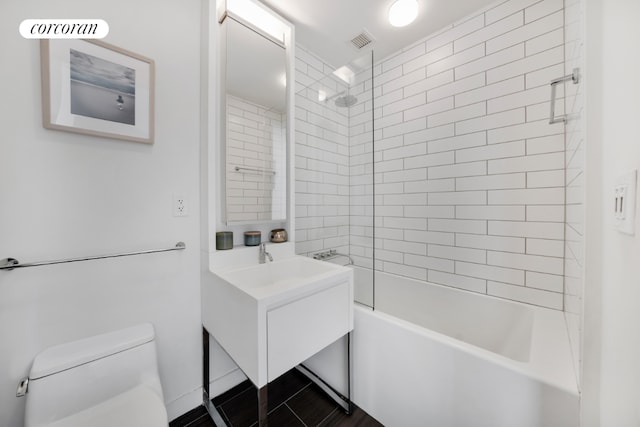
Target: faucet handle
[{"x": 263, "y": 253}]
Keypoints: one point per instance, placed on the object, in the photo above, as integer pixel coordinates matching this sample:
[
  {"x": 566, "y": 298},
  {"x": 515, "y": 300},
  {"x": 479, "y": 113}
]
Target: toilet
[{"x": 105, "y": 380}]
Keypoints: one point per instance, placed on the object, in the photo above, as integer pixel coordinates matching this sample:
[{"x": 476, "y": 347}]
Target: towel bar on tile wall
[
  {"x": 11, "y": 263},
  {"x": 264, "y": 171},
  {"x": 575, "y": 77}
]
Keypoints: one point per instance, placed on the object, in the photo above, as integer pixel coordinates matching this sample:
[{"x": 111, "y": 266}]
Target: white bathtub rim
[
  {"x": 522, "y": 368},
  {"x": 552, "y": 363}
]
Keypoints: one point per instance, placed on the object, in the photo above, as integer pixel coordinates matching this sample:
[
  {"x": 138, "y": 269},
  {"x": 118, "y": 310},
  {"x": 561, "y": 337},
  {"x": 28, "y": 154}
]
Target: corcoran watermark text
[{"x": 64, "y": 28}]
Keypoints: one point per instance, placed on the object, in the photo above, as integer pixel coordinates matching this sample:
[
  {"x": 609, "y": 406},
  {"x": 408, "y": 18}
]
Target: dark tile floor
[{"x": 293, "y": 401}]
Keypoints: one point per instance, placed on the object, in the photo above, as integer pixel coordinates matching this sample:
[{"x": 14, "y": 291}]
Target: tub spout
[{"x": 262, "y": 254}]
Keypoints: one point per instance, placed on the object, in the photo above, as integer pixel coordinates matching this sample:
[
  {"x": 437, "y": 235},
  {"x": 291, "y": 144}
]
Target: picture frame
[{"x": 95, "y": 88}]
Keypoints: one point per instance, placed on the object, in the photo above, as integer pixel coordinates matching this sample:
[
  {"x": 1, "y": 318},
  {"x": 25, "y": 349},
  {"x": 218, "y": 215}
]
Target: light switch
[
  {"x": 621, "y": 195},
  {"x": 625, "y": 202}
]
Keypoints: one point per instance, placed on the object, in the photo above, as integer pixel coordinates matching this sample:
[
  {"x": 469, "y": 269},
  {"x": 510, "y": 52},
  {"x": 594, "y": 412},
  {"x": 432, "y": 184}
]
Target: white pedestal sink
[{"x": 271, "y": 317}]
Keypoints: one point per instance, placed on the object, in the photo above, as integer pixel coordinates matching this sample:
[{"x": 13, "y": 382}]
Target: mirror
[{"x": 256, "y": 129}]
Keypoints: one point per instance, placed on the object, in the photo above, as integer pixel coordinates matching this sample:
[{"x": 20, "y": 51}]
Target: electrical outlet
[
  {"x": 180, "y": 206},
  {"x": 621, "y": 195}
]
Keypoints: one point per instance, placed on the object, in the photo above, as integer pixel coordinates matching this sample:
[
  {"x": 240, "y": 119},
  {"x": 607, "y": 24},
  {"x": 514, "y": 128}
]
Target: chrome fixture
[
  {"x": 575, "y": 78},
  {"x": 264, "y": 171},
  {"x": 342, "y": 99},
  {"x": 23, "y": 387},
  {"x": 330, "y": 254},
  {"x": 263, "y": 253},
  {"x": 345, "y": 101},
  {"x": 11, "y": 263}
]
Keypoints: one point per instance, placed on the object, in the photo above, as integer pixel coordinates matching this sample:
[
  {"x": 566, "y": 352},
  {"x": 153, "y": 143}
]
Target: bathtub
[{"x": 430, "y": 355}]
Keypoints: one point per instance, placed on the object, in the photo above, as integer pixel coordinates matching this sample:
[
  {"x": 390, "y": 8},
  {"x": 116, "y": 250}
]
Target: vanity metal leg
[
  {"x": 206, "y": 399},
  {"x": 344, "y": 401},
  {"x": 349, "y": 408},
  {"x": 263, "y": 407},
  {"x": 205, "y": 361}
]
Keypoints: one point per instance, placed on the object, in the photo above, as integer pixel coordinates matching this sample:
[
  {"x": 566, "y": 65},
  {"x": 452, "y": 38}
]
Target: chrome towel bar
[
  {"x": 575, "y": 77},
  {"x": 242, "y": 168},
  {"x": 11, "y": 263}
]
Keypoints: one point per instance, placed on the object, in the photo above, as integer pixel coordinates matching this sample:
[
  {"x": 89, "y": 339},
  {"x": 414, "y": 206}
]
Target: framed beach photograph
[{"x": 95, "y": 88}]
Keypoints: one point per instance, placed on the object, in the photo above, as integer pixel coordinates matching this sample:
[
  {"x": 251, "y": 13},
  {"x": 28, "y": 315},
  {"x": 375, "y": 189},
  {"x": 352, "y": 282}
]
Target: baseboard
[
  {"x": 226, "y": 382},
  {"x": 193, "y": 399},
  {"x": 184, "y": 404}
]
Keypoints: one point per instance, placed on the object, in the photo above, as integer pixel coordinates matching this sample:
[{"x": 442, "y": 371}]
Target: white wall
[
  {"x": 612, "y": 281},
  {"x": 574, "y": 175},
  {"x": 65, "y": 195},
  {"x": 591, "y": 336}
]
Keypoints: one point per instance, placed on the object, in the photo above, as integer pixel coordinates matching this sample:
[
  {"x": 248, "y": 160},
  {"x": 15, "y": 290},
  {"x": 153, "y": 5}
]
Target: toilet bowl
[{"x": 106, "y": 380}]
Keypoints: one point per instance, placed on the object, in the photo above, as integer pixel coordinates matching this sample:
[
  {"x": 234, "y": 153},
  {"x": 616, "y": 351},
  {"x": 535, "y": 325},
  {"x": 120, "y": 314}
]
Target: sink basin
[
  {"x": 270, "y": 317},
  {"x": 275, "y": 279}
]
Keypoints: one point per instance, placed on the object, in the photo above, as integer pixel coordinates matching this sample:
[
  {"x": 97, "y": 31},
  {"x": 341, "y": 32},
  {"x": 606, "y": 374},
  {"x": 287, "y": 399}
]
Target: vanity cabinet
[
  {"x": 301, "y": 328},
  {"x": 271, "y": 317}
]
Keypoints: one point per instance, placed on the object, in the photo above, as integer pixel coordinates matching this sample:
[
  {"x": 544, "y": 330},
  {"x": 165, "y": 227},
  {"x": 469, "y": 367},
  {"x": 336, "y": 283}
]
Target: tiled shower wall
[
  {"x": 322, "y": 159},
  {"x": 574, "y": 244},
  {"x": 361, "y": 168},
  {"x": 469, "y": 174},
  {"x": 470, "y": 179}
]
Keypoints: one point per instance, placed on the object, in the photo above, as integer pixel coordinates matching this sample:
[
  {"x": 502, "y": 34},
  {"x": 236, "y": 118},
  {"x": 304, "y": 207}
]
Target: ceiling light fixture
[
  {"x": 257, "y": 14},
  {"x": 403, "y": 12}
]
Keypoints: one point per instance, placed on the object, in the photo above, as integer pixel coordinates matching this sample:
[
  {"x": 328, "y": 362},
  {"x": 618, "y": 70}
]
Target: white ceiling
[{"x": 326, "y": 26}]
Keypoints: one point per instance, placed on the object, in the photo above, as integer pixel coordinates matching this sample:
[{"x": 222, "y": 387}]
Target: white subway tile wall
[
  {"x": 255, "y": 144},
  {"x": 391, "y": 177},
  {"x": 574, "y": 231},
  {"x": 479, "y": 204},
  {"x": 469, "y": 176},
  {"x": 322, "y": 159}
]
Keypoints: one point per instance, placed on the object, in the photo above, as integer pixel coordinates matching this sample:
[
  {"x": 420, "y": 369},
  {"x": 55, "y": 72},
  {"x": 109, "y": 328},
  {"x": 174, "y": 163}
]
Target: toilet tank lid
[{"x": 65, "y": 356}]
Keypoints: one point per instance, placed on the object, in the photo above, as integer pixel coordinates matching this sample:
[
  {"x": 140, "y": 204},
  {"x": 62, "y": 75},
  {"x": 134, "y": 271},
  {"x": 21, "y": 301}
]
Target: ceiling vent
[{"x": 363, "y": 39}]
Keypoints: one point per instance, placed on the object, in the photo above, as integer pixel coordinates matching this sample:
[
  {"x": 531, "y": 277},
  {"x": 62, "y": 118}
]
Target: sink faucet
[{"x": 263, "y": 252}]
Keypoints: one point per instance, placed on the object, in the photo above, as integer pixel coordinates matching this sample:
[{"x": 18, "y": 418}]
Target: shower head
[
  {"x": 345, "y": 101},
  {"x": 342, "y": 99}
]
